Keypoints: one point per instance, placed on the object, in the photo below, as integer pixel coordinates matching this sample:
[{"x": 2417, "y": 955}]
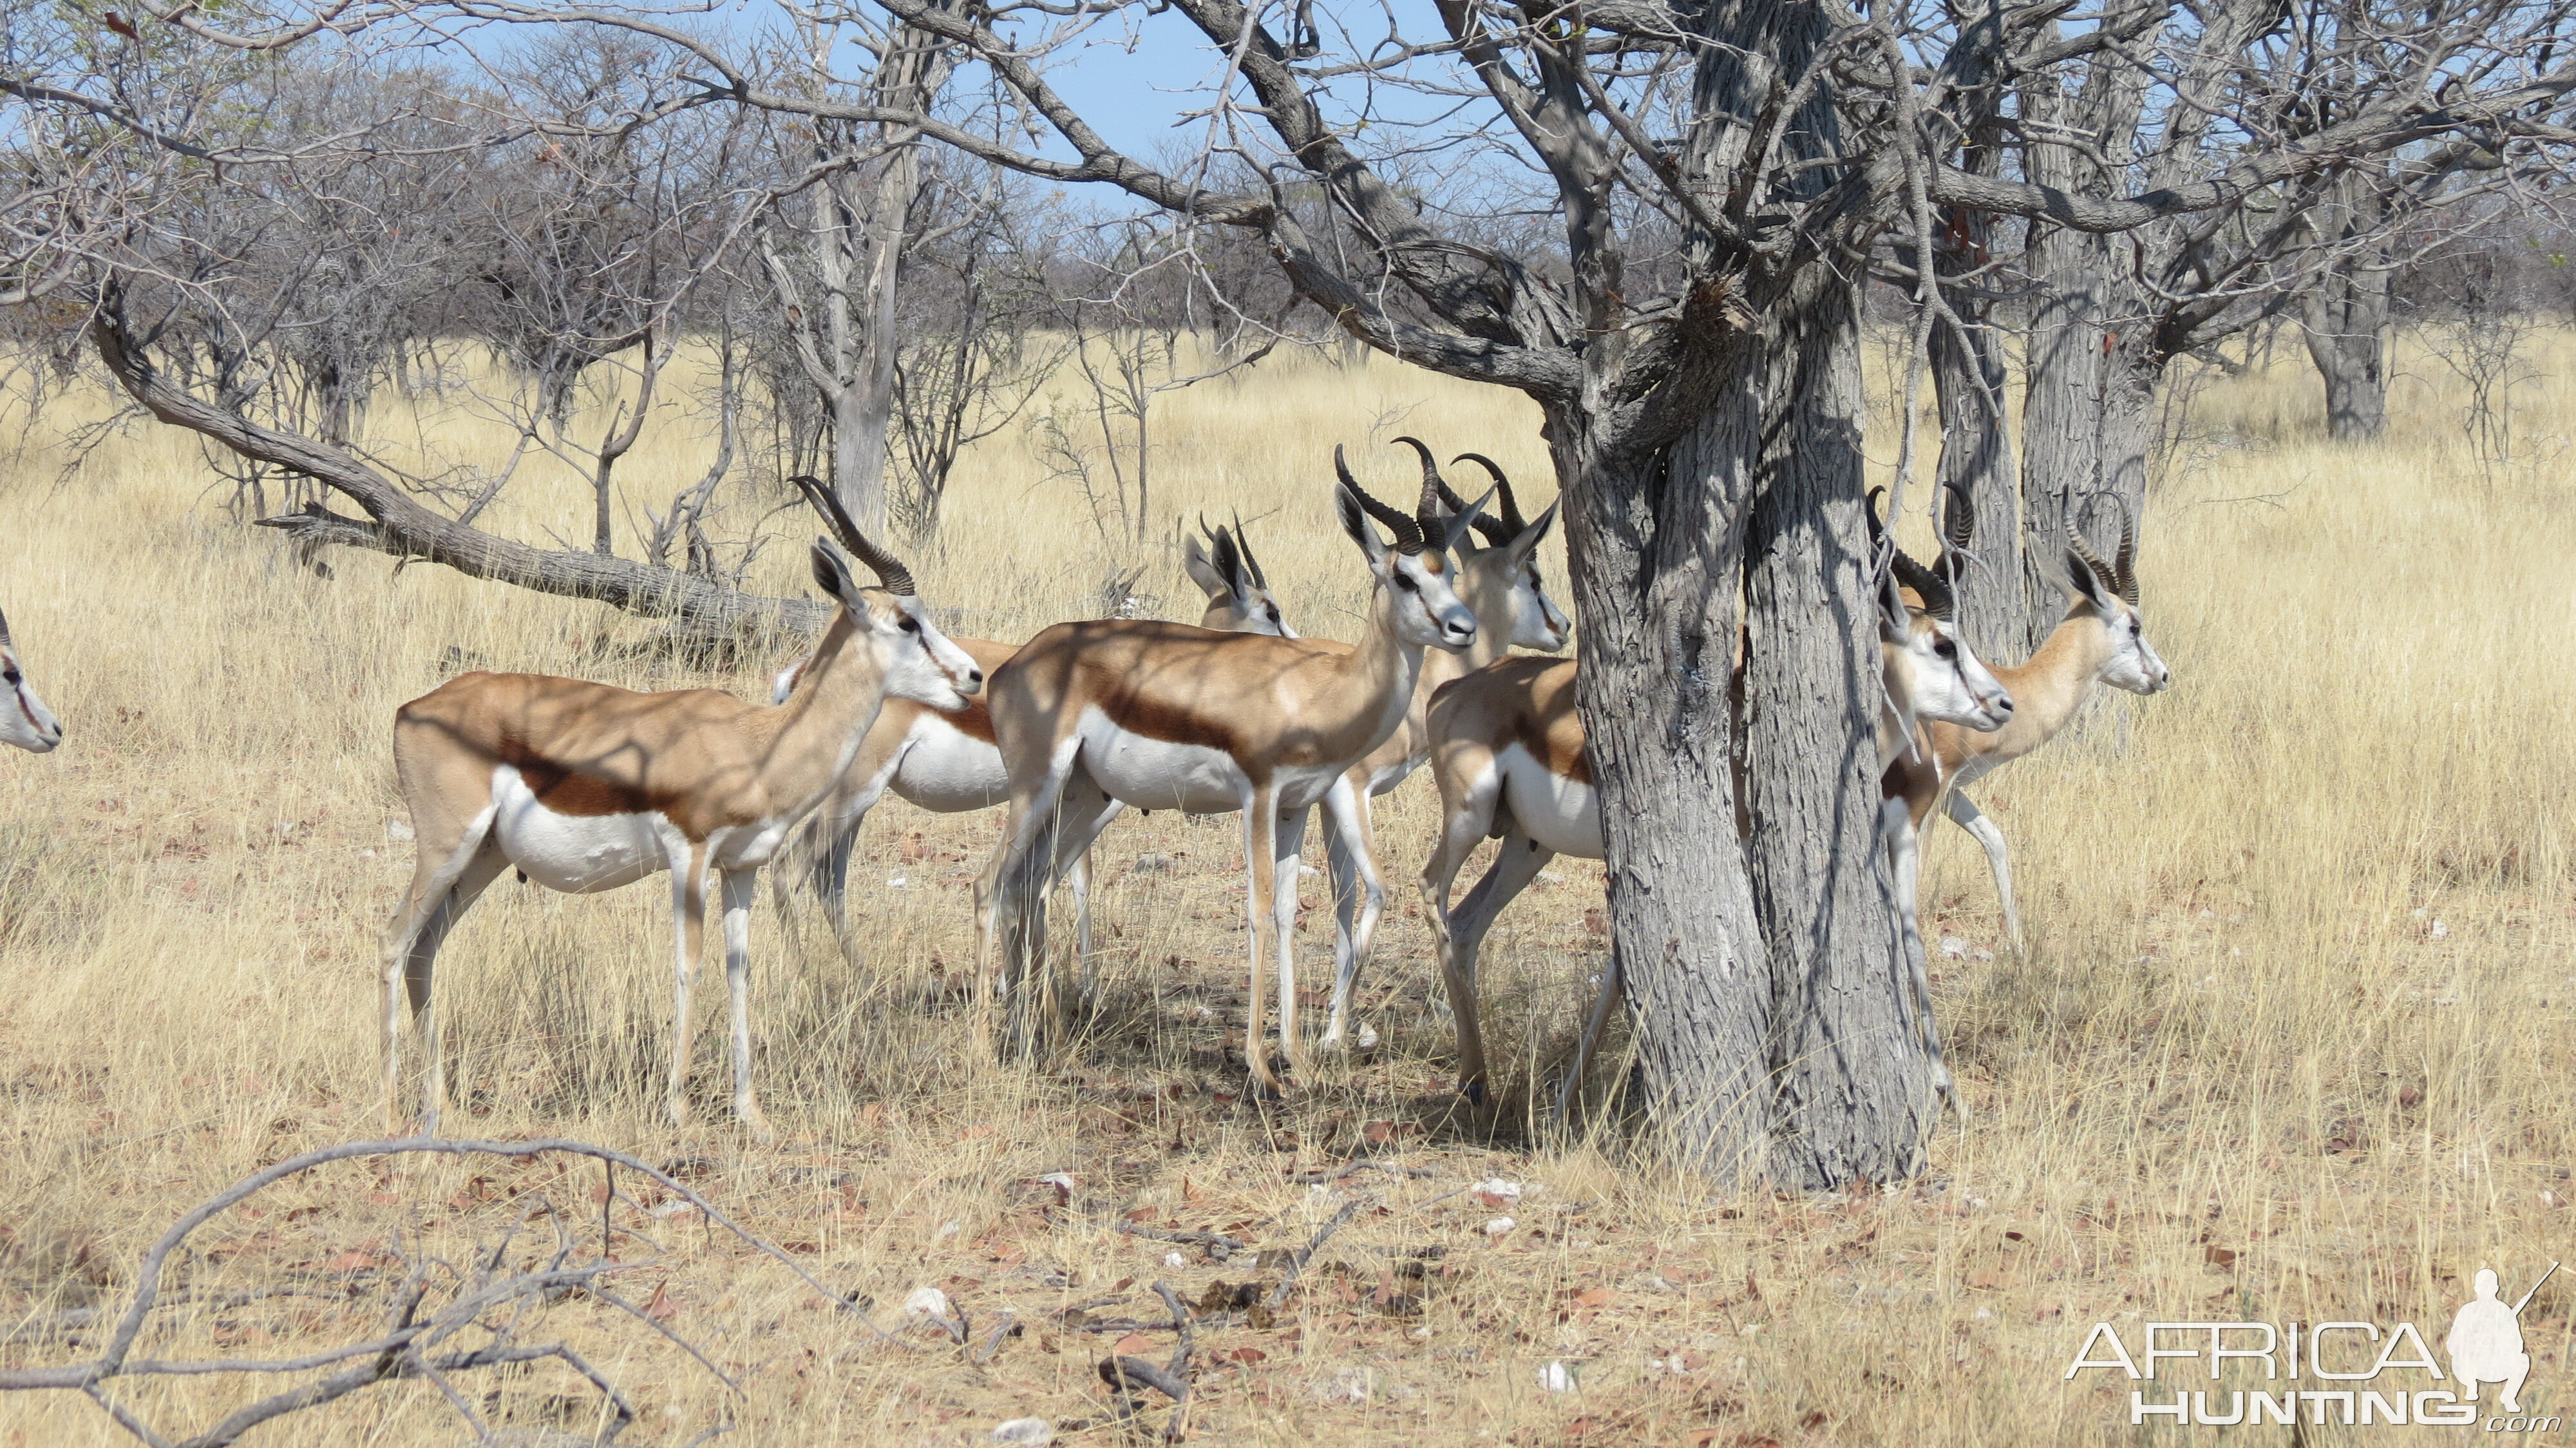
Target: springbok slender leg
[
  {"x": 689, "y": 929},
  {"x": 1003, "y": 893},
  {"x": 1287, "y": 862},
  {"x": 1964, "y": 813},
  {"x": 1082, "y": 811},
  {"x": 1260, "y": 824},
  {"x": 1517, "y": 861},
  {"x": 1359, "y": 897},
  {"x": 1903, "y": 850},
  {"x": 737, "y": 889},
  {"x": 435, "y": 903},
  {"x": 1613, "y": 986}
]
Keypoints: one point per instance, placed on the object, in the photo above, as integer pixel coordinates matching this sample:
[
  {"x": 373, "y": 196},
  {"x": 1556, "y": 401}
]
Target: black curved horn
[
  {"x": 891, "y": 574},
  {"x": 1502, "y": 530},
  {"x": 1928, "y": 584},
  {"x": 1435, "y": 491},
  {"x": 1243, "y": 541},
  {"x": 2124, "y": 564},
  {"x": 1958, "y": 529},
  {"x": 2084, "y": 551},
  {"x": 1225, "y": 553},
  {"x": 1408, "y": 533}
]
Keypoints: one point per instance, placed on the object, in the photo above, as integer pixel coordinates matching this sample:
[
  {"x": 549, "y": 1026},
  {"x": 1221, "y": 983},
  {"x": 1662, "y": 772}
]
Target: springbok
[
  {"x": 586, "y": 787},
  {"x": 2100, "y": 640},
  {"x": 946, "y": 763},
  {"x": 1500, "y": 584},
  {"x": 1164, "y": 716},
  {"x": 1508, "y": 754},
  {"x": 25, "y": 722}
]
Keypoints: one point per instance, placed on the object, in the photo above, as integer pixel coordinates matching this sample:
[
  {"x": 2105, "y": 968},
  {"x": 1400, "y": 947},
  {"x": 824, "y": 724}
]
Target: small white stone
[
  {"x": 896, "y": 882},
  {"x": 926, "y": 1302},
  {"x": 947, "y": 1230},
  {"x": 1421, "y": 1334},
  {"x": 1984, "y": 1314},
  {"x": 1557, "y": 1377},
  {"x": 397, "y": 829},
  {"x": 1365, "y": 1037},
  {"x": 672, "y": 1208},
  {"x": 1497, "y": 1192},
  {"x": 2440, "y": 930},
  {"x": 1500, "y": 1227},
  {"x": 1175, "y": 1259},
  {"x": 1028, "y": 1432},
  {"x": 1954, "y": 947}
]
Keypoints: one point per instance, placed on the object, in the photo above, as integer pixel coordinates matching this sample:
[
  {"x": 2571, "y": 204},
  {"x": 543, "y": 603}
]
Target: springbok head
[
  {"x": 24, "y": 719},
  {"x": 1930, "y": 669},
  {"x": 1413, "y": 571},
  {"x": 1238, "y": 591},
  {"x": 2110, "y": 590},
  {"x": 914, "y": 658},
  {"x": 1501, "y": 579}
]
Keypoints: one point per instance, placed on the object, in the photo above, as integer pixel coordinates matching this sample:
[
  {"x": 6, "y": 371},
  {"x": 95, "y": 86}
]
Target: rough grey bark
[
  {"x": 2345, "y": 316},
  {"x": 2075, "y": 323},
  {"x": 1969, "y": 376},
  {"x": 1659, "y": 544},
  {"x": 1854, "y": 1093}
]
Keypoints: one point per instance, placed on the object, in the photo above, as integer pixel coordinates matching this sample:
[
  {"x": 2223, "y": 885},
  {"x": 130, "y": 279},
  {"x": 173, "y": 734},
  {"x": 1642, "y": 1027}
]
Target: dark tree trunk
[
  {"x": 2060, "y": 421},
  {"x": 1661, "y": 540},
  {"x": 1968, "y": 376},
  {"x": 1854, "y": 1089},
  {"x": 1769, "y": 1014},
  {"x": 2345, "y": 320}
]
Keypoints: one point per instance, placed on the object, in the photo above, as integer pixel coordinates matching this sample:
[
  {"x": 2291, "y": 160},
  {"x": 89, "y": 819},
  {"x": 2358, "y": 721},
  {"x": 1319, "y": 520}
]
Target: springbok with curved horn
[
  {"x": 1164, "y": 716},
  {"x": 1508, "y": 754},
  {"x": 585, "y": 787},
  {"x": 945, "y": 762},
  {"x": 1500, "y": 584},
  {"x": 2100, "y": 640},
  {"x": 24, "y": 719}
]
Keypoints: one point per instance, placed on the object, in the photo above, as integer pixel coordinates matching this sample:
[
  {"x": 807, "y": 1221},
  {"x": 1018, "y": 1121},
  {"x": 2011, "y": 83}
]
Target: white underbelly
[
  {"x": 948, "y": 771},
  {"x": 1157, "y": 773},
  {"x": 579, "y": 854},
  {"x": 1561, "y": 814}
]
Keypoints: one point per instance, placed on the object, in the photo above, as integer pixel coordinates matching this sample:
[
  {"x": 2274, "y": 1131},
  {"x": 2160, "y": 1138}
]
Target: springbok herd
[{"x": 584, "y": 787}]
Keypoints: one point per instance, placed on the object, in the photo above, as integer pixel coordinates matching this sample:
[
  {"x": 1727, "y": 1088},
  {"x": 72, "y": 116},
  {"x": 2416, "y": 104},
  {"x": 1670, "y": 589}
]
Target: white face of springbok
[
  {"x": 1414, "y": 573},
  {"x": 2112, "y": 591},
  {"x": 24, "y": 719},
  {"x": 914, "y": 658},
  {"x": 1238, "y": 592},
  {"x": 1933, "y": 673},
  {"x": 1930, "y": 670},
  {"x": 1510, "y": 558}
]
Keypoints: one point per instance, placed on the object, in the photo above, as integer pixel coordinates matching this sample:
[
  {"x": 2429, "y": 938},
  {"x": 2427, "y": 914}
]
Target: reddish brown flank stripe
[{"x": 567, "y": 791}]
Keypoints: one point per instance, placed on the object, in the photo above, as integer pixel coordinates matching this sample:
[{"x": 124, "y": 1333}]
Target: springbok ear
[
  {"x": 835, "y": 580},
  {"x": 2088, "y": 585},
  {"x": 1895, "y": 621},
  {"x": 1202, "y": 569},
  {"x": 1530, "y": 537},
  {"x": 1454, "y": 530},
  {"x": 1355, "y": 522}
]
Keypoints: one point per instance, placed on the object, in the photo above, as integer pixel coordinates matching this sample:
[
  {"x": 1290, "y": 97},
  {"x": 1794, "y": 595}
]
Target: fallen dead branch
[{"x": 444, "y": 1319}]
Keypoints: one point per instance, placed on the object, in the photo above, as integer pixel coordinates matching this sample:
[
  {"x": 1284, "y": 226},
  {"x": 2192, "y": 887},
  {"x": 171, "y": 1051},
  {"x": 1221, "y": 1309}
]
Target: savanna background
[{"x": 2289, "y": 1040}]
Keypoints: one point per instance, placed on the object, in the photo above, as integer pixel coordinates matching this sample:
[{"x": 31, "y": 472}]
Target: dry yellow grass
[{"x": 2289, "y": 1041}]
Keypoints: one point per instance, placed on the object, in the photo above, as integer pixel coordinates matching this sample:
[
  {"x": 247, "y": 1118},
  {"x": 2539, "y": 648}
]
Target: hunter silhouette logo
[
  {"x": 2485, "y": 1341},
  {"x": 2351, "y": 1374}
]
